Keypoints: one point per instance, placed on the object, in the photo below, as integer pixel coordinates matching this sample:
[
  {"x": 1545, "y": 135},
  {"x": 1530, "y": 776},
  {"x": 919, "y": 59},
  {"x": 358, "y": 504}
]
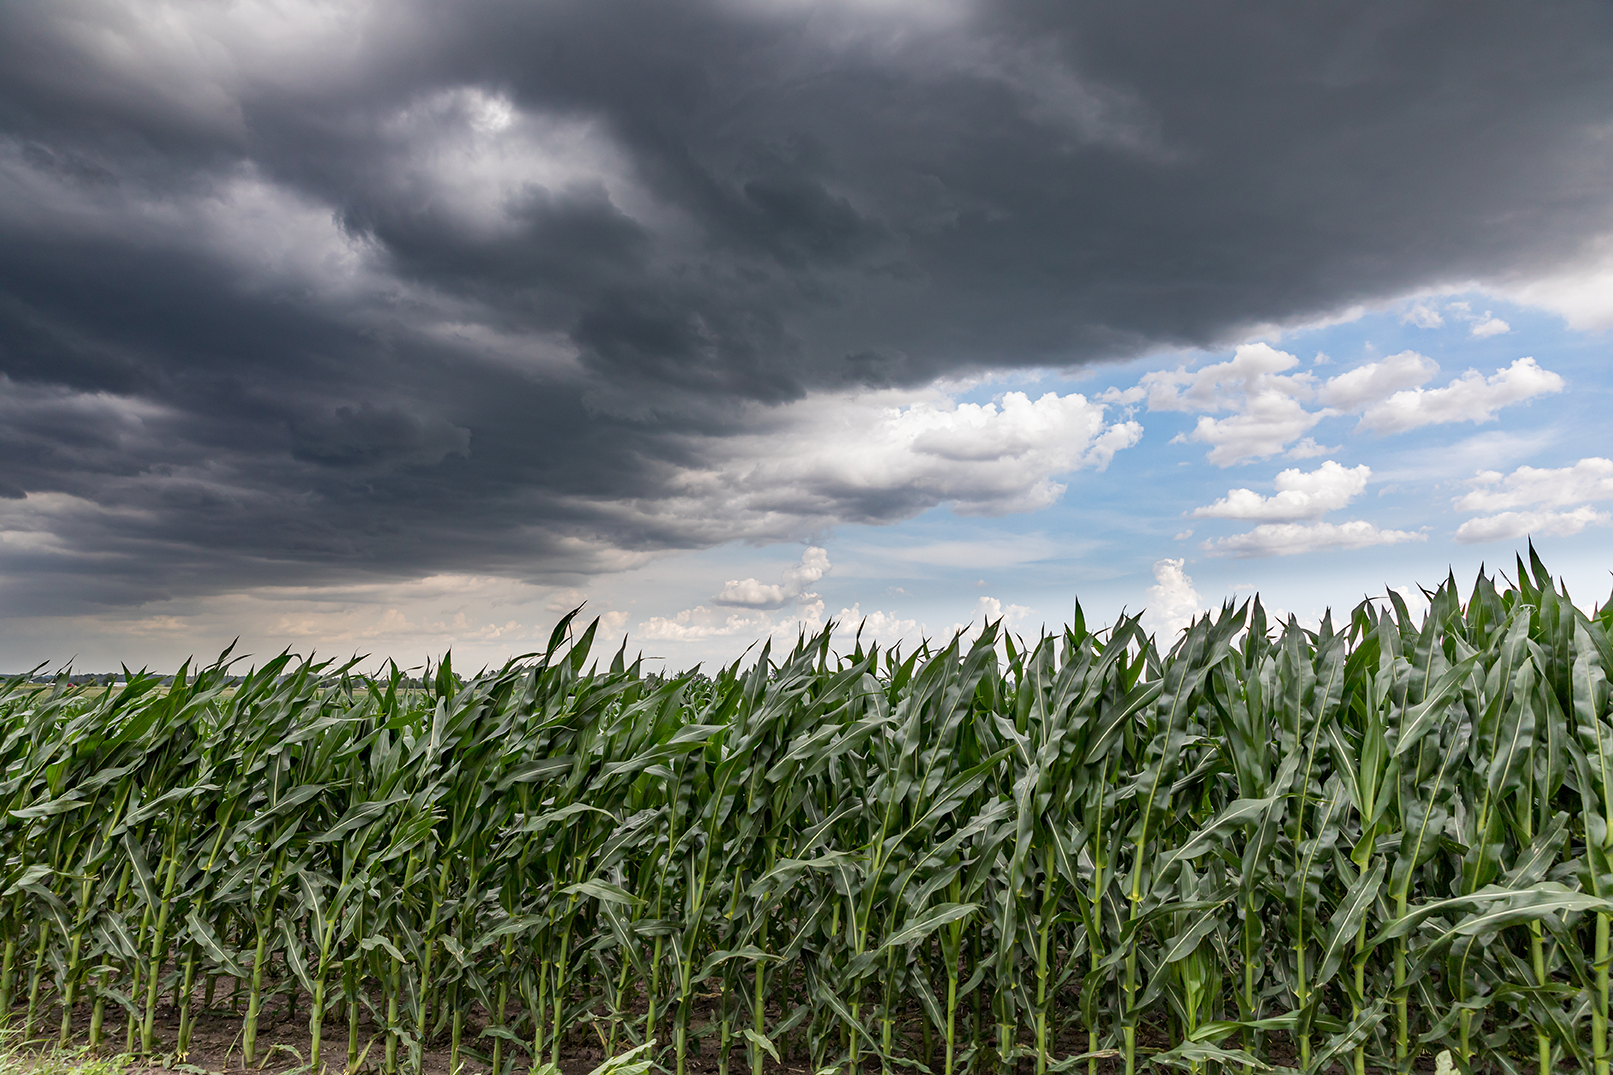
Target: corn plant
[{"x": 1251, "y": 847}]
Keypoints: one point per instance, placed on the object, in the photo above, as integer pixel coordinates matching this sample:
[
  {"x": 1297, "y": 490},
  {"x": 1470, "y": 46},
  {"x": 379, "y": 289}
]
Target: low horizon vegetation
[{"x": 1263, "y": 848}]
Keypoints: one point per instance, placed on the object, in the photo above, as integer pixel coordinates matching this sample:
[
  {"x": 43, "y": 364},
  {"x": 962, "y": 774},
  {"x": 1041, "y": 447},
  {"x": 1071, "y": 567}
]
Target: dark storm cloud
[{"x": 294, "y": 295}]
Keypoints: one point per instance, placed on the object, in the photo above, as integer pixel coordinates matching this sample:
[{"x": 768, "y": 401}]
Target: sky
[{"x": 405, "y": 328}]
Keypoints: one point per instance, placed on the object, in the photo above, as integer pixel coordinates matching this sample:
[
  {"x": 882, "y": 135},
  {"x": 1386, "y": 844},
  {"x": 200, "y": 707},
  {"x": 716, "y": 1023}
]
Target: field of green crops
[{"x": 1345, "y": 849}]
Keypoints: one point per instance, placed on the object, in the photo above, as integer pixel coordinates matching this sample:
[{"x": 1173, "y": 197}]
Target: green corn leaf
[
  {"x": 1193, "y": 1055},
  {"x": 1346, "y": 921},
  {"x": 1355, "y": 1034},
  {"x": 603, "y": 891},
  {"x": 203, "y": 935},
  {"x": 764, "y": 1043},
  {"x": 1422, "y": 718},
  {"x": 928, "y": 923}
]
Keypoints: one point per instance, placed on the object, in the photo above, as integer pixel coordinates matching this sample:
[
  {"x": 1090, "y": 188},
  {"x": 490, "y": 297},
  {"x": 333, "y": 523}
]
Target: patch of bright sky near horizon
[{"x": 1315, "y": 466}]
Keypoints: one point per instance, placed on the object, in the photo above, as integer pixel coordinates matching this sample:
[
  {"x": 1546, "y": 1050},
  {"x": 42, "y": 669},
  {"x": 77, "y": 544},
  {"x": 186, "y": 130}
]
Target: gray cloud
[{"x": 384, "y": 291}]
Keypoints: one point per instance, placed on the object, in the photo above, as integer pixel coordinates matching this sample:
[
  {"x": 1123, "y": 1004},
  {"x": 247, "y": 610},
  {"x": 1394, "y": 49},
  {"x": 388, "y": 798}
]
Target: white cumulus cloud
[
  {"x": 1588, "y": 479},
  {"x": 1472, "y": 397},
  {"x": 1376, "y": 381},
  {"x": 1543, "y": 488},
  {"x": 1423, "y": 316},
  {"x": 753, "y": 612},
  {"x": 1309, "y": 449},
  {"x": 1267, "y": 406},
  {"x": 990, "y": 609},
  {"x": 749, "y": 593},
  {"x": 1267, "y": 423},
  {"x": 1288, "y": 539},
  {"x": 1489, "y": 326},
  {"x": 1300, "y": 495},
  {"x": 1172, "y": 601},
  {"x": 1253, "y": 370},
  {"x": 1509, "y": 525},
  {"x": 699, "y": 624},
  {"x": 1268, "y": 409},
  {"x": 883, "y": 456},
  {"x": 885, "y": 628}
]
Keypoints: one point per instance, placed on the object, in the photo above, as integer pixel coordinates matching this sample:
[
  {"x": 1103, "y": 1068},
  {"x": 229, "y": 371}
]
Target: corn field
[{"x": 1269, "y": 848}]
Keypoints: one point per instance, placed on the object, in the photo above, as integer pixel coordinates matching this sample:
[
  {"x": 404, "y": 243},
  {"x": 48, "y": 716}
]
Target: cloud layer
[{"x": 312, "y": 293}]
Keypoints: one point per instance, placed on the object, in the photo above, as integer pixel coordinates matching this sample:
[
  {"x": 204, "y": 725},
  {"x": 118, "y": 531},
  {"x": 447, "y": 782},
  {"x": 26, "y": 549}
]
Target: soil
[{"x": 215, "y": 1047}]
